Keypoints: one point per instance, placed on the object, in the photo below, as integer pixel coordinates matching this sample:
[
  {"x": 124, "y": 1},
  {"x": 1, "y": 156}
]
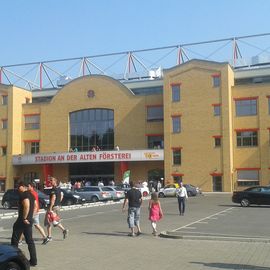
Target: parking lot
[{"x": 98, "y": 238}]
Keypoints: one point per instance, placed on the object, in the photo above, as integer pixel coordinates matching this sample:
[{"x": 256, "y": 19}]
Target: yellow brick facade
[{"x": 201, "y": 161}]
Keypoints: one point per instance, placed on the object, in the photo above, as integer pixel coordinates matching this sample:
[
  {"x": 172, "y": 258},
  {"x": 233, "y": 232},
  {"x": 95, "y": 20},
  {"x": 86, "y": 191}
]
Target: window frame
[
  {"x": 3, "y": 150},
  {"x": 216, "y": 140},
  {"x": 176, "y": 92},
  {"x": 32, "y": 125},
  {"x": 242, "y": 138},
  {"x": 4, "y": 100},
  {"x": 177, "y": 156},
  {"x": 4, "y": 123},
  {"x": 176, "y": 129},
  {"x": 160, "y": 115},
  {"x": 32, "y": 147},
  {"x": 217, "y": 109},
  {"x": 247, "y": 106},
  {"x": 216, "y": 80}
]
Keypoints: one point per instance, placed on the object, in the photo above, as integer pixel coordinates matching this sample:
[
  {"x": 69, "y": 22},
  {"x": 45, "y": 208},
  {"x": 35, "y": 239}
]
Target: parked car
[
  {"x": 116, "y": 192},
  {"x": 259, "y": 195},
  {"x": 143, "y": 189},
  {"x": 12, "y": 258},
  {"x": 94, "y": 193},
  {"x": 69, "y": 198},
  {"x": 170, "y": 190},
  {"x": 11, "y": 199}
]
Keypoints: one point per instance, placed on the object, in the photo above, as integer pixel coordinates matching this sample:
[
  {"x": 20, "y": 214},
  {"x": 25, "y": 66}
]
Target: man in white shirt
[{"x": 181, "y": 194}]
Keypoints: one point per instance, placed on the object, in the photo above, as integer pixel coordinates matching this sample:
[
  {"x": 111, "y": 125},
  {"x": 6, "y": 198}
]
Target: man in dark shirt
[
  {"x": 56, "y": 197},
  {"x": 23, "y": 224},
  {"x": 134, "y": 199}
]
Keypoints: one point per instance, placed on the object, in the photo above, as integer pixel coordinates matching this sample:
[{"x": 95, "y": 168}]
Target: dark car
[
  {"x": 259, "y": 195},
  {"x": 69, "y": 198},
  {"x": 12, "y": 258},
  {"x": 11, "y": 199}
]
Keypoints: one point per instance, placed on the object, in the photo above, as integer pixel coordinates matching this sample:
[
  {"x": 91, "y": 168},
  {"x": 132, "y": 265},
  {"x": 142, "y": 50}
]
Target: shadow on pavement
[
  {"x": 121, "y": 234},
  {"x": 233, "y": 266}
]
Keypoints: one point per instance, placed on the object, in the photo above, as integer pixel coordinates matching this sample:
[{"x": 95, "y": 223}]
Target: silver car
[
  {"x": 94, "y": 194},
  {"x": 116, "y": 192}
]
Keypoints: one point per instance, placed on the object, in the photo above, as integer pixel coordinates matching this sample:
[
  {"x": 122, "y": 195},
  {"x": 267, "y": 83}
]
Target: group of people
[
  {"x": 28, "y": 215},
  {"x": 134, "y": 200}
]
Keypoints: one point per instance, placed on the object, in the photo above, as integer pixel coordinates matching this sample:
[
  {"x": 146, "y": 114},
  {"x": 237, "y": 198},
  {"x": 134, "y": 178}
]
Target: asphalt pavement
[{"x": 213, "y": 234}]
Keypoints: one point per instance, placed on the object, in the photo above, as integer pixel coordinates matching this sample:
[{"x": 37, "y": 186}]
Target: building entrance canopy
[{"x": 100, "y": 156}]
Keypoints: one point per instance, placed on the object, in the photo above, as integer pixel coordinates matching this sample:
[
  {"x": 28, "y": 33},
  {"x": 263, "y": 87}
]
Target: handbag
[{"x": 53, "y": 218}]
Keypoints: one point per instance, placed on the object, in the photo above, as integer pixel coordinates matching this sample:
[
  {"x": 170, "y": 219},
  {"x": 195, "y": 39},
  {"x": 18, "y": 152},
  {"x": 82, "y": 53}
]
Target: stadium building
[{"x": 201, "y": 122}]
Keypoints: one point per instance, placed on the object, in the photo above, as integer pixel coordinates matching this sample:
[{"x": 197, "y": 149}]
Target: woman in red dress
[{"x": 155, "y": 212}]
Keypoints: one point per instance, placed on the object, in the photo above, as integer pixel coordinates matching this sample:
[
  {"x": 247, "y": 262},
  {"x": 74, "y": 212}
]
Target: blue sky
[{"x": 36, "y": 30}]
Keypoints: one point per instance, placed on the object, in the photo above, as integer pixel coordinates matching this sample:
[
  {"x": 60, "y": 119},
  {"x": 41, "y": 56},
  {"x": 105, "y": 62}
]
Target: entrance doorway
[
  {"x": 153, "y": 177},
  {"x": 217, "y": 183},
  {"x": 91, "y": 172}
]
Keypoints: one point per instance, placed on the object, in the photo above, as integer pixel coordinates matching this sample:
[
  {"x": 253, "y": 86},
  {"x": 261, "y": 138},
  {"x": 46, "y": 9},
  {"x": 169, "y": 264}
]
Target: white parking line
[{"x": 202, "y": 219}]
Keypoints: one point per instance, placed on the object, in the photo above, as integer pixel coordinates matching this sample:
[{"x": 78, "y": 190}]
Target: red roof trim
[
  {"x": 176, "y": 148},
  {"x": 3, "y": 177},
  {"x": 216, "y": 104},
  {"x": 177, "y": 174},
  {"x": 245, "y": 98},
  {"x": 217, "y": 136},
  {"x": 31, "y": 114},
  {"x": 268, "y": 96},
  {"x": 248, "y": 169},
  {"x": 176, "y": 115},
  {"x": 216, "y": 75},
  {"x": 31, "y": 140},
  {"x": 175, "y": 84},
  {"x": 246, "y": 129},
  {"x": 154, "y": 135},
  {"x": 216, "y": 174},
  {"x": 156, "y": 105}
]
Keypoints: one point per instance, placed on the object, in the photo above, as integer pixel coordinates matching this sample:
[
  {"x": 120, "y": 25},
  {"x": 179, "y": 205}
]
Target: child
[{"x": 155, "y": 212}]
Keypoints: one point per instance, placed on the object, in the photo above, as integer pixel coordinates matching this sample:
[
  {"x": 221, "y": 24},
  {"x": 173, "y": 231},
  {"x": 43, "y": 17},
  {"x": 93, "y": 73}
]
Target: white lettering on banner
[{"x": 102, "y": 156}]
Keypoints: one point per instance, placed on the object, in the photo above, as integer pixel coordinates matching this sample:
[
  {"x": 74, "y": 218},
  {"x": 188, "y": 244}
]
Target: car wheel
[
  {"x": 161, "y": 195},
  {"x": 94, "y": 199},
  {"x": 12, "y": 266},
  {"x": 245, "y": 202},
  {"x": 6, "y": 205},
  {"x": 69, "y": 202}
]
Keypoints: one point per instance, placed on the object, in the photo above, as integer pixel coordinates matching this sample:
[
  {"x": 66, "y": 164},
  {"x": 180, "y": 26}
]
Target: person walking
[
  {"x": 182, "y": 196},
  {"x": 36, "y": 222},
  {"x": 23, "y": 224},
  {"x": 155, "y": 212},
  {"x": 134, "y": 200},
  {"x": 56, "y": 197}
]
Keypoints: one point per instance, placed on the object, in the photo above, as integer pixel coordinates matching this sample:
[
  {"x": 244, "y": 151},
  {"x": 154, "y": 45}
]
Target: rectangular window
[
  {"x": 4, "y": 123},
  {"x": 4, "y": 100},
  {"x": 155, "y": 142},
  {"x": 216, "y": 80},
  {"x": 176, "y": 156},
  {"x": 246, "y": 107},
  {"x": 32, "y": 121},
  {"x": 31, "y": 148},
  {"x": 217, "y": 110},
  {"x": 247, "y": 138},
  {"x": 247, "y": 177},
  {"x": 175, "y": 92},
  {"x": 4, "y": 150},
  {"x": 154, "y": 113},
  {"x": 217, "y": 141},
  {"x": 176, "y": 124}
]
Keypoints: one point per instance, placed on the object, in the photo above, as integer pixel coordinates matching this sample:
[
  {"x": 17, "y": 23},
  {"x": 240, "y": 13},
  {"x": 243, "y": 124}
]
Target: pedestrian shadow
[
  {"x": 233, "y": 266},
  {"x": 118, "y": 234}
]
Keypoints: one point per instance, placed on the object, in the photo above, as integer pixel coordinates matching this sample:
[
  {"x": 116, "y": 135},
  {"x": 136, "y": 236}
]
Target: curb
[{"x": 177, "y": 235}]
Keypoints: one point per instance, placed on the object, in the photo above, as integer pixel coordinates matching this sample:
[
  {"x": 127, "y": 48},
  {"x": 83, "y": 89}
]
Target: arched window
[{"x": 92, "y": 129}]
